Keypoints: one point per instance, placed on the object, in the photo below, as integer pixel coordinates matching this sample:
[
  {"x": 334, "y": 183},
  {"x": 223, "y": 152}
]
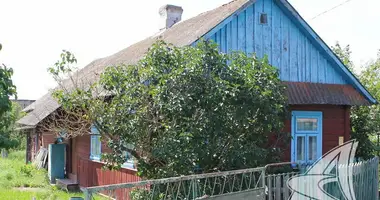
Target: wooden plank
[
  {"x": 234, "y": 34},
  {"x": 241, "y": 34},
  {"x": 249, "y": 32},
  {"x": 285, "y": 62},
  {"x": 286, "y": 188},
  {"x": 270, "y": 187},
  {"x": 276, "y": 34},
  {"x": 278, "y": 187},
  {"x": 258, "y": 29}
]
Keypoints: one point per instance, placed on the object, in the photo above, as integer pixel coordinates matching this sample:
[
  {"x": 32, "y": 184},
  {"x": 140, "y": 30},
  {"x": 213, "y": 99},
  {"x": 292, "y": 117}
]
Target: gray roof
[{"x": 181, "y": 34}]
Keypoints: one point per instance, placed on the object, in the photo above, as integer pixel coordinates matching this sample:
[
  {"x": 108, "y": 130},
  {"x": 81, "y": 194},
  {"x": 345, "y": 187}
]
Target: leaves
[{"x": 364, "y": 120}]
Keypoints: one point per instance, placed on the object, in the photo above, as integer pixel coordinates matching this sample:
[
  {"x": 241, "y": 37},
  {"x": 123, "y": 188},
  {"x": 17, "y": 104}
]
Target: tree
[
  {"x": 9, "y": 136},
  {"x": 363, "y": 119},
  {"x": 370, "y": 77},
  {"x": 183, "y": 110},
  {"x": 7, "y": 89},
  {"x": 344, "y": 54}
]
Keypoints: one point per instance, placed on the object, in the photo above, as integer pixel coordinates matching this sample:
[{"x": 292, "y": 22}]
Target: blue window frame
[
  {"x": 130, "y": 161},
  {"x": 306, "y": 146},
  {"x": 96, "y": 145}
]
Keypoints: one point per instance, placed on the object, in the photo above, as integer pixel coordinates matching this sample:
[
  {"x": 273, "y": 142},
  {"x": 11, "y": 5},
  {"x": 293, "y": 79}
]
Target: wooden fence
[{"x": 365, "y": 183}]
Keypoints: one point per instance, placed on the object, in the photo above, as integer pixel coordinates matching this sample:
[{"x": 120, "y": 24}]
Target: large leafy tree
[
  {"x": 364, "y": 119},
  {"x": 183, "y": 110},
  {"x": 7, "y": 89}
]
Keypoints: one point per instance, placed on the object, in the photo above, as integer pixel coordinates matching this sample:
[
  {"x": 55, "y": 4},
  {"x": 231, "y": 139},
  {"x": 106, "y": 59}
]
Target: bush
[{"x": 27, "y": 170}]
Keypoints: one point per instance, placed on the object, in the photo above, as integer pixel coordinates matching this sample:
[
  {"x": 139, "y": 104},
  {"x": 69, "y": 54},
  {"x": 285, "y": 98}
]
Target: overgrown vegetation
[
  {"x": 182, "y": 110},
  {"x": 23, "y": 182},
  {"x": 365, "y": 120},
  {"x": 7, "y": 90}
]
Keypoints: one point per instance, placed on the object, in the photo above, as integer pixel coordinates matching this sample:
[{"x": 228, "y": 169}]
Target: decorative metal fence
[
  {"x": 239, "y": 184},
  {"x": 365, "y": 183}
]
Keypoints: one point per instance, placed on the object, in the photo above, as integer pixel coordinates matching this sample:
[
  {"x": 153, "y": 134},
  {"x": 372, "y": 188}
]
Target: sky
[{"x": 34, "y": 33}]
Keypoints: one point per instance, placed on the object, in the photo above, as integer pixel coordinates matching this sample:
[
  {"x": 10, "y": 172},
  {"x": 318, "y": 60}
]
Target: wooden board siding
[
  {"x": 90, "y": 173},
  {"x": 48, "y": 138},
  {"x": 285, "y": 44},
  {"x": 336, "y": 123}
]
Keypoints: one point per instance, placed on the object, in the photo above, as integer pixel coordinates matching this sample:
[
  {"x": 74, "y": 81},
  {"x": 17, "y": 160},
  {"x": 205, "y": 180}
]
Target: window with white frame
[
  {"x": 306, "y": 146},
  {"x": 96, "y": 144}
]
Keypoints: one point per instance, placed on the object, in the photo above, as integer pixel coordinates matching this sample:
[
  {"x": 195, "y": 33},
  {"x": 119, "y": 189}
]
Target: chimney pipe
[{"x": 170, "y": 15}]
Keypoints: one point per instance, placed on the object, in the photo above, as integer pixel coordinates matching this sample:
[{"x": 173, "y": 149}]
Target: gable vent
[{"x": 263, "y": 18}]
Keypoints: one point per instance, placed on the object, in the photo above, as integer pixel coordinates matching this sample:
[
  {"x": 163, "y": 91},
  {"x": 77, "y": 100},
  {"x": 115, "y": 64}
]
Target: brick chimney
[{"x": 170, "y": 15}]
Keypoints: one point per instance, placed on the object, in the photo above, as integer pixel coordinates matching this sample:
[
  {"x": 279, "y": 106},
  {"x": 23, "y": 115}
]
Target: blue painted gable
[{"x": 298, "y": 58}]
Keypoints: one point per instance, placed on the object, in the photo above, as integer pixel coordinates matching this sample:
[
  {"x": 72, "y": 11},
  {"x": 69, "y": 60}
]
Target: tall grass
[
  {"x": 16, "y": 175},
  {"x": 14, "y": 172}
]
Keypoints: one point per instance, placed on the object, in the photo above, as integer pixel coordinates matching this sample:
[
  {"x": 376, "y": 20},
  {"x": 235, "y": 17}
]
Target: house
[
  {"x": 320, "y": 88},
  {"x": 23, "y": 102}
]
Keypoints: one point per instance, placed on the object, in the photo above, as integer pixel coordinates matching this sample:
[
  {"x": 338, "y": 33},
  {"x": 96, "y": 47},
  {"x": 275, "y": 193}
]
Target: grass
[{"x": 23, "y": 182}]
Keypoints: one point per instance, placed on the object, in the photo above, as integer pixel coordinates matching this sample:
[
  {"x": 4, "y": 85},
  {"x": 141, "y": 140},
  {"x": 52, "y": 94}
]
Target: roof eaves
[{"x": 290, "y": 10}]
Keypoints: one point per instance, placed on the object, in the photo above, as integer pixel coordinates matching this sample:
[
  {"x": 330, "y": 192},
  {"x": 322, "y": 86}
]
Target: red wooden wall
[
  {"x": 336, "y": 123},
  {"x": 90, "y": 173}
]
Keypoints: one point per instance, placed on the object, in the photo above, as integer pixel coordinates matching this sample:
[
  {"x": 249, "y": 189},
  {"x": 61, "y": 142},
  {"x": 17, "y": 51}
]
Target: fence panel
[
  {"x": 238, "y": 184},
  {"x": 365, "y": 182}
]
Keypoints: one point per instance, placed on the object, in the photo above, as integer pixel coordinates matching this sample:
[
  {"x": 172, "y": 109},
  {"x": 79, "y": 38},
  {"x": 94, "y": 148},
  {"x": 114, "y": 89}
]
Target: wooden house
[{"x": 320, "y": 88}]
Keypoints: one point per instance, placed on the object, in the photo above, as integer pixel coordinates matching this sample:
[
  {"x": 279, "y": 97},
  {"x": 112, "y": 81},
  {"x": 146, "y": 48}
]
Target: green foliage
[
  {"x": 14, "y": 172},
  {"x": 364, "y": 120},
  {"x": 7, "y": 89},
  {"x": 27, "y": 170},
  {"x": 185, "y": 110},
  {"x": 370, "y": 77},
  {"x": 9, "y": 136},
  {"x": 344, "y": 54}
]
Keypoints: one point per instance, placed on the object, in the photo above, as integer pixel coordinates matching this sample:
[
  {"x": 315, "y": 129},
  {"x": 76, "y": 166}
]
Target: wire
[{"x": 333, "y": 8}]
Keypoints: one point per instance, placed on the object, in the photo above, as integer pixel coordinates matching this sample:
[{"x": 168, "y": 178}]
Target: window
[
  {"x": 96, "y": 145},
  {"x": 306, "y": 144},
  {"x": 130, "y": 161}
]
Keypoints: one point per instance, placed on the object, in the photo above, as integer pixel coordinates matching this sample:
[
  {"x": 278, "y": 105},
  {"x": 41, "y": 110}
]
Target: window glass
[
  {"x": 95, "y": 149},
  {"x": 312, "y": 147},
  {"x": 307, "y": 124},
  {"x": 301, "y": 148},
  {"x": 130, "y": 160}
]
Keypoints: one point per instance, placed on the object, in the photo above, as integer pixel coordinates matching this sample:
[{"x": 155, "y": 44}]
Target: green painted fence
[{"x": 365, "y": 183}]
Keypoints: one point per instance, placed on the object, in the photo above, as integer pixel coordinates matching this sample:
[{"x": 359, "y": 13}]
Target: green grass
[
  {"x": 15, "y": 174},
  {"x": 14, "y": 194}
]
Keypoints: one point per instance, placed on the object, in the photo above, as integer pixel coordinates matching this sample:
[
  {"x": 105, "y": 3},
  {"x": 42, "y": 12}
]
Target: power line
[{"x": 333, "y": 8}]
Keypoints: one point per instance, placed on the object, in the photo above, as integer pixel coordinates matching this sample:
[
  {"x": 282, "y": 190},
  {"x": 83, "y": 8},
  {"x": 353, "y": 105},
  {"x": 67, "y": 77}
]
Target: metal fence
[
  {"x": 365, "y": 183},
  {"x": 239, "y": 184}
]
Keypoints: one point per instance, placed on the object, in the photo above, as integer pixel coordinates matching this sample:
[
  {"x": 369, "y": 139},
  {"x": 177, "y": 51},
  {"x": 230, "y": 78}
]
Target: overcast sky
[{"x": 33, "y": 33}]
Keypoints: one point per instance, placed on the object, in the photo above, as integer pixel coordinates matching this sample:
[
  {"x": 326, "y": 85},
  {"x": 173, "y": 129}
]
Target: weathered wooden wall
[{"x": 286, "y": 46}]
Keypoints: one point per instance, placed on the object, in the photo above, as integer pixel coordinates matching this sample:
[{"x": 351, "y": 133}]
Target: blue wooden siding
[{"x": 286, "y": 46}]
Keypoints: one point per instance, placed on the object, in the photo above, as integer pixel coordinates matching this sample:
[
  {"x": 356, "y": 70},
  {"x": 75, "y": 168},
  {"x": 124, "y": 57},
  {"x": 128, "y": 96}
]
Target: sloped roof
[
  {"x": 299, "y": 93},
  {"x": 186, "y": 33},
  {"x": 181, "y": 34}
]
